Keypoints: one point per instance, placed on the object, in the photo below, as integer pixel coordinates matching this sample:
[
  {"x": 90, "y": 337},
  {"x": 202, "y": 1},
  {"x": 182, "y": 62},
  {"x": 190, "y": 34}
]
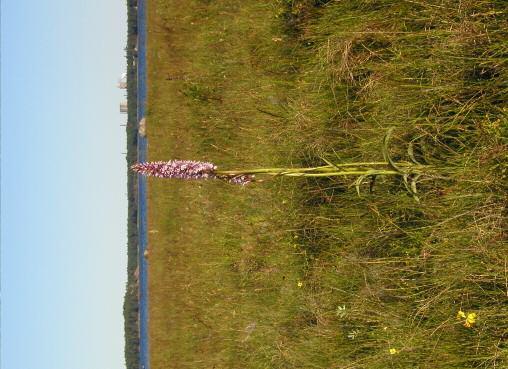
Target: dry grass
[{"x": 252, "y": 84}]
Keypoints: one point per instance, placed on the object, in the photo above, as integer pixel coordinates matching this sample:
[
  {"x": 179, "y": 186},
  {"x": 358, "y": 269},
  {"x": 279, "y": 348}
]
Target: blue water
[{"x": 144, "y": 361}]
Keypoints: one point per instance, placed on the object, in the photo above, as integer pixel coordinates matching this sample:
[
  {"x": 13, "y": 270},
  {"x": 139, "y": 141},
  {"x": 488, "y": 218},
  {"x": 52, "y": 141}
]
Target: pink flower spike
[{"x": 182, "y": 169}]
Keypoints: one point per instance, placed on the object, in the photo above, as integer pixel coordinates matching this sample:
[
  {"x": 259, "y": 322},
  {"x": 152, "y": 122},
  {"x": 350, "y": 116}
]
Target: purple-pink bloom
[
  {"x": 243, "y": 179},
  {"x": 182, "y": 169}
]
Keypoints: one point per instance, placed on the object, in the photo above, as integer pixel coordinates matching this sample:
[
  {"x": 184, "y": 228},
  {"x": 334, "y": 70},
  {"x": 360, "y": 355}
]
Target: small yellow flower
[
  {"x": 461, "y": 315},
  {"x": 393, "y": 351},
  {"x": 300, "y": 283},
  {"x": 470, "y": 320}
]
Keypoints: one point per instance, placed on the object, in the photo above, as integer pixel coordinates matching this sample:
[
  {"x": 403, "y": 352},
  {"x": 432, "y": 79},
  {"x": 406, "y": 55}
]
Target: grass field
[{"x": 304, "y": 273}]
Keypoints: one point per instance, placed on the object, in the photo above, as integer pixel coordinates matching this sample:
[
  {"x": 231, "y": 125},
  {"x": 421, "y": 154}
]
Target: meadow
[{"x": 329, "y": 272}]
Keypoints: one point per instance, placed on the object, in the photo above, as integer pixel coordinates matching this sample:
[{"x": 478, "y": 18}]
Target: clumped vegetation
[
  {"x": 303, "y": 272},
  {"x": 130, "y": 307}
]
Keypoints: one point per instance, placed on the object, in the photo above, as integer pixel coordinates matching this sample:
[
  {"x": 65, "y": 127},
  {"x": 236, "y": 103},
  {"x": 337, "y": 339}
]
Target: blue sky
[{"x": 63, "y": 184}]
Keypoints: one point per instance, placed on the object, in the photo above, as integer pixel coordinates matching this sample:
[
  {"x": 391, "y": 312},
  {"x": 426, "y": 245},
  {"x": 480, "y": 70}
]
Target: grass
[{"x": 303, "y": 272}]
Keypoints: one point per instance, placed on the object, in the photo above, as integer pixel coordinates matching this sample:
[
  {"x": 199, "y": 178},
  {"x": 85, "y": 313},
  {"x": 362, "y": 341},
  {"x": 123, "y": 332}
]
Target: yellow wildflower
[
  {"x": 393, "y": 351},
  {"x": 470, "y": 320},
  {"x": 300, "y": 283}
]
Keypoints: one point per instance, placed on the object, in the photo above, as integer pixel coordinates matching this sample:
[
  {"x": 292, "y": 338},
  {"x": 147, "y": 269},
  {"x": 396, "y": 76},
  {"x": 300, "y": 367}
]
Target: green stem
[
  {"x": 343, "y": 173},
  {"x": 296, "y": 173},
  {"x": 325, "y": 170}
]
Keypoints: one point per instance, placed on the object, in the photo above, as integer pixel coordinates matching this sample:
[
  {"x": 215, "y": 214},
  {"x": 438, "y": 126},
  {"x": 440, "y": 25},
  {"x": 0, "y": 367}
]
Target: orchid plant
[{"x": 188, "y": 170}]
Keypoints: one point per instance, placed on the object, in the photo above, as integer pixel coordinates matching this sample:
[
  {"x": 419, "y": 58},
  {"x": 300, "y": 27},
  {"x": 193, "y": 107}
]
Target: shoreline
[{"x": 144, "y": 362}]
